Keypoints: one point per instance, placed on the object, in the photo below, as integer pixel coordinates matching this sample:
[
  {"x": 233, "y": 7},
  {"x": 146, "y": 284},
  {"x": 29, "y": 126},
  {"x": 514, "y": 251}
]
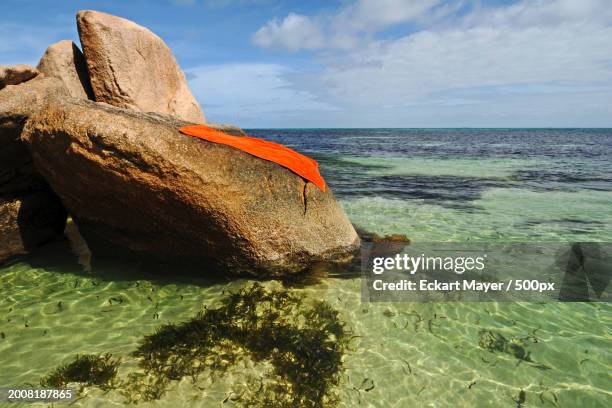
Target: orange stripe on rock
[{"x": 301, "y": 165}]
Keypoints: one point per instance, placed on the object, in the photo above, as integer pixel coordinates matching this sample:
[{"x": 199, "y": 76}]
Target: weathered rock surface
[
  {"x": 133, "y": 180},
  {"x": 64, "y": 61},
  {"x": 16, "y": 74},
  {"x": 29, "y": 221},
  {"x": 30, "y": 214},
  {"x": 17, "y": 104},
  {"x": 130, "y": 67}
]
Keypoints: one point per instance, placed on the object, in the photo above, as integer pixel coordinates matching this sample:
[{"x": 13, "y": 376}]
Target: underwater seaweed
[
  {"x": 516, "y": 347},
  {"x": 303, "y": 343},
  {"x": 88, "y": 369},
  {"x": 496, "y": 342}
]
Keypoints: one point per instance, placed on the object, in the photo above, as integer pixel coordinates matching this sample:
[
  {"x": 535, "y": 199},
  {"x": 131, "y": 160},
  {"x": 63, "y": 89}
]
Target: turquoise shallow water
[
  {"x": 431, "y": 186},
  {"x": 502, "y": 214}
]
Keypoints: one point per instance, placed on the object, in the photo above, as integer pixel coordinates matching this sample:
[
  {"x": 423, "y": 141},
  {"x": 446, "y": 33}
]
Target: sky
[{"x": 365, "y": 63}]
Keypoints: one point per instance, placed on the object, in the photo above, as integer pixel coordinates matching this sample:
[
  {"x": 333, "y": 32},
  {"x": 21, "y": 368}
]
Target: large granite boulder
[
  {"x": 133, "y": 180},
  {"x": 130, "y": 67},
  {"x": 64, "y": 61},
  {"x": 28, "y": 221},
  {"x": 16, "y": 74}
]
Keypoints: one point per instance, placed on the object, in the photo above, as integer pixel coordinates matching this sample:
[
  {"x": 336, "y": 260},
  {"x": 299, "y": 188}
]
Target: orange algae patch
[{"x": 301, "y": 165}]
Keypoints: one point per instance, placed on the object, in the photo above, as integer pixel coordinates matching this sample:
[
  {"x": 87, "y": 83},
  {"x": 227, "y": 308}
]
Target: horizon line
[{"x": 434, "y": 128}]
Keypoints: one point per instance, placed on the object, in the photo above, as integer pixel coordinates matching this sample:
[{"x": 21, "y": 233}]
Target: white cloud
[
  {"x": 345, "y": 28},
  {"x": 244, "y": 93},
  {"x": 530, "y": 63},
  {"x": 544, "y": 13},
  {"x": 373, "y": 15},
  {"x": 428, "y": 62},
  {"x": 294, "y": 32}
]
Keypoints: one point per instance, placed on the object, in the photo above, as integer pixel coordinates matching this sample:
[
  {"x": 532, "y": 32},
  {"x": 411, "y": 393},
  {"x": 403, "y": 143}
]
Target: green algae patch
[
  {"x": 299, "y": 345},
  {"x": 303, "y": 343},
  {"x": 515, "y": 347},
  {"x": 496, "y": 342},
  {"x": 88, "y": 369}
]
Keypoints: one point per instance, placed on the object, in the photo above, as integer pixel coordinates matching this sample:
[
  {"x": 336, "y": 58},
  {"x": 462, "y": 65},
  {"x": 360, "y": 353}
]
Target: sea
[{"x": 433, "y": 185}]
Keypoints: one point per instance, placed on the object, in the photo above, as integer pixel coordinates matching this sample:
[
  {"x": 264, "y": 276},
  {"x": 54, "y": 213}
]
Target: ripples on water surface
[{"x": 433, "y": 185}]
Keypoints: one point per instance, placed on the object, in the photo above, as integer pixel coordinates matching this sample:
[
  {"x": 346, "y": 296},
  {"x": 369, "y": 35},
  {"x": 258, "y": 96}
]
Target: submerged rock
[
  {"x": 16, "y": 74},
  {"x": 26, "y": 222},
  {"x": 133, "y": 180},
  {"x": 64, "y": 61},
  {"x": 130, "y": 67}
]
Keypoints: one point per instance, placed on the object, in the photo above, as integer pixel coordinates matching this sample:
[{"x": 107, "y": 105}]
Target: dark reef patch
[
  {"x": 447, "y": 191},
  {"x": 561, "y": 179},
  {"x": 561, "y": 174}
]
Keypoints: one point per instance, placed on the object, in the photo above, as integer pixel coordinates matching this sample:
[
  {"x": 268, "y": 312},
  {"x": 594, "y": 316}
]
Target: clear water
[{"x": 433, "y": 185}]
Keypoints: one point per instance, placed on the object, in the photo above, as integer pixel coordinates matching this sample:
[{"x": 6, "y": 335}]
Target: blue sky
[{"x": 365, "y": 63}]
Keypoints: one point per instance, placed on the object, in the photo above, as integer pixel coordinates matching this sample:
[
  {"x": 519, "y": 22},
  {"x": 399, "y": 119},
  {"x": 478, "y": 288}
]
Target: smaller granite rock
[
  {"x": 225, "y": 128},
  {"x": 132, "y": 68},
  {"x": 391, "y": 238},
  {"x": 16, "y": 74},
  {"x": 29, "y": 221},
  {"x": 229, "y": 129},
  {"x": 382, "y": 246},
  {"x": 64, "y": 61},
  {"x": 373, "y": 237}
]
